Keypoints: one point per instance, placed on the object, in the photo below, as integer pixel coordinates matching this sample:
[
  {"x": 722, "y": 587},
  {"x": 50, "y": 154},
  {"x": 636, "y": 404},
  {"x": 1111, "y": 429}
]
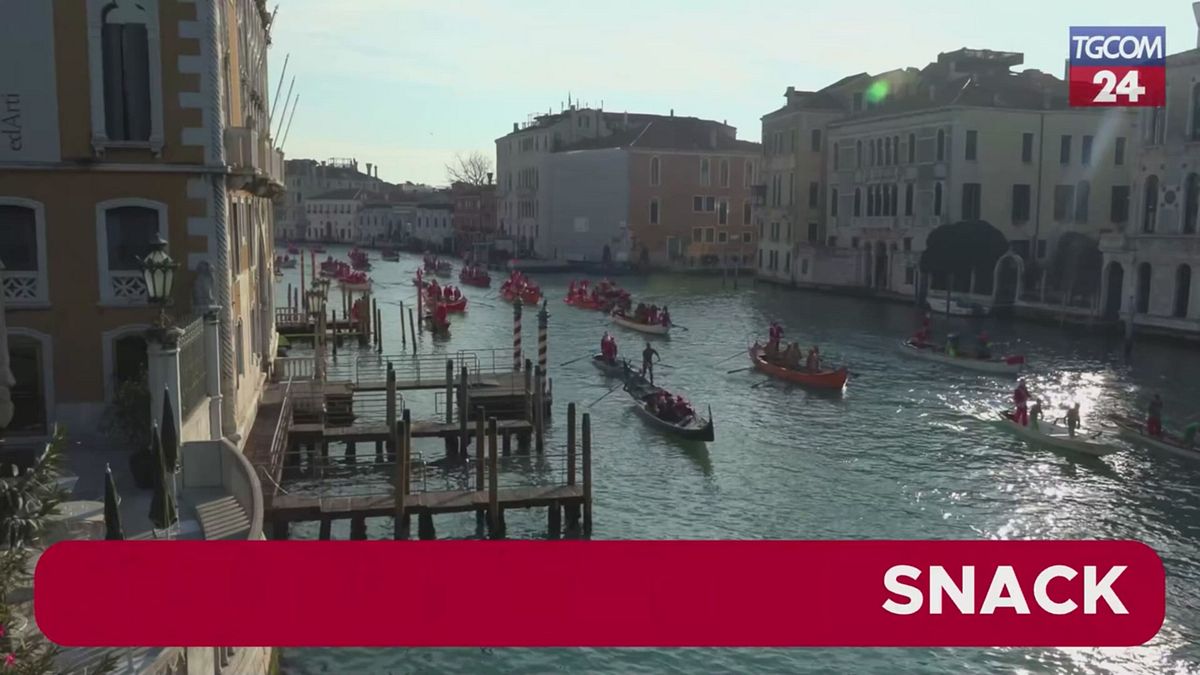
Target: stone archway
[
  {"x": 1144, "y": 274},
  {"x": 880, "y": 273},
  {"x": 1006, "y": 279},
  {"x": 1114, "y": 276}
]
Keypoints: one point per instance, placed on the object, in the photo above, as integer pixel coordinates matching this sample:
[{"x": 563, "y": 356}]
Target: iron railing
[{"x": 192, "y": 371}]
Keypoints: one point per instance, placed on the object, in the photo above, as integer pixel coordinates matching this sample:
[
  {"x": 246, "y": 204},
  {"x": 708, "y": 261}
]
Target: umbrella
[
  {"x": 170, "y": 437},
  {"x": 162, "y": 508},
  {"x": 112, "y": 509}
]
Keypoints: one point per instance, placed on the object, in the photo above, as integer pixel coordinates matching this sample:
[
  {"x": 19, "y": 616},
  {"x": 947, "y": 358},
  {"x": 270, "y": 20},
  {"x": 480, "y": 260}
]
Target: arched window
[
  {"x": 908, "y": 199},
  {"x": 1150, "y": 204},
  {"x": 937, "y": 199},
  {"x": 833, "y": 202},
  {"x": 23, "y": 251},
  {"x": 654, "y": 171},
  {"x": 31, "y": 360},
  {"x": 1143, "y": 288},
  {"x": 941, "y": 145},
  {"x": 912, "y": 148},
  {"x": 858, "y": 158},
  {"x": 724, "y": 173},
  {"x": 1191, "y": 203},
  {"x": 895, "y": 149},
  {"x": 125, "y": 73},
  {"x": 857, "y": 202},
  {"x": 705, "y": 172},
  {"x": 1083, "y": 193},
  {"x": 895, "y": 199},
  {"x": 1196, "y": 112},
  {"x": 1183, "y": 290},
  {"x": 870, "y": 200},
  {"x": 125, "y": 230},
  {"x": 654, "y": 211},
  {"x": 871, "y": 153}
]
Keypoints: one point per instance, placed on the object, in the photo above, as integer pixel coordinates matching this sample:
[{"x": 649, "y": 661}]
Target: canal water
[{"x": 911, "y": 451}]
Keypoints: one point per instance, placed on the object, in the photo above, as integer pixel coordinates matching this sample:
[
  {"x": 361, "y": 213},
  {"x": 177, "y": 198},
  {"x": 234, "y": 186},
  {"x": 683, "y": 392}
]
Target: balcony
[
  {"x": 255, "y": 165},
  {"x": 242, "y": 149}
]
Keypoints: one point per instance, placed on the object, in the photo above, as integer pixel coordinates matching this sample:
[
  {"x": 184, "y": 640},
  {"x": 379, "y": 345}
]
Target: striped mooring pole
[
  {"x": 517, "y": 335},
  {"x": 543, "y": 322}
]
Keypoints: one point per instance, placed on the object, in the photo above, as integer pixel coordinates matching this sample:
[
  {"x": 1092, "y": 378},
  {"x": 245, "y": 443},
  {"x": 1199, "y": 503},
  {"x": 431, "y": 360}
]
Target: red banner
[{"x": 601, "y": 593}]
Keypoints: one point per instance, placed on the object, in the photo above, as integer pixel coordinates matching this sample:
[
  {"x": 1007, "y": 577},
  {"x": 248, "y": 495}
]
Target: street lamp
[
  {"x": 316, "y": 302},
  {"x": 158, "y": 271}
]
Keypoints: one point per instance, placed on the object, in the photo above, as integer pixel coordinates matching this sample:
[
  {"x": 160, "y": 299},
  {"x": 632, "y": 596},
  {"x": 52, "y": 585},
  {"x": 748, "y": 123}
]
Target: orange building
[{"x": 125, "y": 121}]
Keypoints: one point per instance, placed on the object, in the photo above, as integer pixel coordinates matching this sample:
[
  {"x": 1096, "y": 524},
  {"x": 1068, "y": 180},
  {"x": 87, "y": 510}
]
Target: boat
[
  {"x": 586, "y": 303},
  {"x": 436, "y": 331},
  {"x": 390, "y": 255},
  {"x": 459, "y": 305},
  {"x": 1134, "y": 431},
  {"x": 286, "y": 263},
  {"x": 648, "y": 328},
  {"x": 1003, "y": 365},
  {"x": 822, "y": 379},
  {"x": 1055, "y": 436},
  {"x": 318, "y": 249},
  {"x": 444, "y": 269},
  {"x": 694, "y": 428},
  {"x": 293, "y": 249},
  {"x": 609, "y": 369},
  {"x": 528, "y": 295},
  {"x": 474, "y": 276},
  {"x": 959, "y": 308}
]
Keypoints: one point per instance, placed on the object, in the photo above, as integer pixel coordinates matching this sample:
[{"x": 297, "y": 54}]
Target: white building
[
  {"x": 1150, "y": 263},
  {"x": 432, "y": 225},
  {"x": 308, "y": 178},
  {"x": 333, "y": 216}
]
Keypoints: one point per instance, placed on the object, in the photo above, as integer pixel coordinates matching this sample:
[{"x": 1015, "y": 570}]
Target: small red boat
[
  {"x": 821, "y": 379},
  {"x": 585, "y": 302},
  {"x": 458, "y": 304},
  {"x": 517, "y": 285},
  {"x": 293, "y": 249},
  {"x": 475, "y": 276}
]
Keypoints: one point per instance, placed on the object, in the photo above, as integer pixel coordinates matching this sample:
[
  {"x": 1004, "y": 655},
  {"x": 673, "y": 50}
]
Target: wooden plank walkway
[
  {"x": 291, "y": 508},
  {"x": 378, "y": 431}
]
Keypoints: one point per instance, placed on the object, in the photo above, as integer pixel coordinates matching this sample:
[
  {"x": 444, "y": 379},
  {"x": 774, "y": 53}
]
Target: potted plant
[{"x": 128, "y": 418}]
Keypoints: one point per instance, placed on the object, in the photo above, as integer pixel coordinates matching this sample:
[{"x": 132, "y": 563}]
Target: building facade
[
  {"x": 308, "y": 178},
  {"x": 1150, "y": 262},
  {"x": 125, "y": 122},
  {"x": 474, "y": 219},
  {"x": 333, "y": 216},
  {"x": 433, "y": 224}
]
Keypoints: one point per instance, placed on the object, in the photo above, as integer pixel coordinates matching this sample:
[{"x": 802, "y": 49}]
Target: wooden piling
[
  {"x": 279, "y": 530},
  {"x": 403, "y": 333},
  {"x": 358, "y": 528},
  {"x": 391, "y": 412},
  {"x": 529, "y": 390},
  {"x": 399, "y": 479},
  {"x": 425, "y": 530},
  {"x": 464, "y": 404},
  {"x": 554, "y": 520},
  {"x": 538, "y": 411},
  {"x": 587, "y": 473},
  {"x": 571, "y": 443},
  {"x": 326, "y": 529},
  {"x": 412, "y": 329},
  {"x": 493, "y": 482},
  {"x": 449, "y": 391}
]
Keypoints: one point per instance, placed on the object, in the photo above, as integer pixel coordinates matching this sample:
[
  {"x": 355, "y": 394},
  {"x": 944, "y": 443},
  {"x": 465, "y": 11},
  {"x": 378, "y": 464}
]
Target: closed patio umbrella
[
  {"x": 112, "y": 507},
  {"x": 162, "y": 507},
  {"x": 170, "y": 436}
]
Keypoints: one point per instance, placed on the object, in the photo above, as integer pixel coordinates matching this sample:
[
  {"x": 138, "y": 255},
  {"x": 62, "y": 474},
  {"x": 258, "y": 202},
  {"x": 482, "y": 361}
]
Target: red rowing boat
[
  {"x": 822, "y": 379},
  {"x": 478, "y": 278},
  {"x": 529, "y": 296},
  {"x": 586, "y": 303},
  {"x": 459, "y": 305}
]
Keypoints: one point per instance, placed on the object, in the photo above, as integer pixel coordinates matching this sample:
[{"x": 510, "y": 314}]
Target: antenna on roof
[
  {"x": 288, "y": 130},
  {"x": 285, "y": 104}
]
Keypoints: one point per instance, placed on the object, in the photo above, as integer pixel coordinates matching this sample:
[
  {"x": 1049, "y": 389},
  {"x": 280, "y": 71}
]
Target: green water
[{"x": 909, "y": 451}]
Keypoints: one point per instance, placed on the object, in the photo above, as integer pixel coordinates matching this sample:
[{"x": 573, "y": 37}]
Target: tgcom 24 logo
[{"x": 1118, "y": 66}]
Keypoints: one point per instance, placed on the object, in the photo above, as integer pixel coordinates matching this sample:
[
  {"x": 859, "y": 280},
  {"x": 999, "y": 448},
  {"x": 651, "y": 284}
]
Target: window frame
[
  {"x": 99, "y": 131},
  {"x": 107, "y": 297},
  {"x": 41, "y": 294}
]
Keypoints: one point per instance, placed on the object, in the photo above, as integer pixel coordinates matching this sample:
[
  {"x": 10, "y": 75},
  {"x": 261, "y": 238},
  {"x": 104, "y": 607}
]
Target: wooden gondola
[
  {"x": 822, "y": 379},
  {"x": 1134, "y": 431},
  {"x": 617, "y": 369},
  {"x": 694, "y": 428},
  {"x": 648, "y": 328}
]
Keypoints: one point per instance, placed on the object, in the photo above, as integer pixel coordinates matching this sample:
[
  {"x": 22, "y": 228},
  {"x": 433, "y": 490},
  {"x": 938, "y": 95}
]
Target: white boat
[
  {"x": 1050, "y": 434},
  {"x": 1135, "y": 432},
  {"x": 648, "y": 328},
  {"x": 957, "y": 307},
  {"x": 1006, "y": 365}
]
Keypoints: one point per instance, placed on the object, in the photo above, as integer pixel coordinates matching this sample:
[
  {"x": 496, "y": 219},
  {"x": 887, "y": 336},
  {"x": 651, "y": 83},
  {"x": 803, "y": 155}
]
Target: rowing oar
[
  {"x": 575, "y": 360},
  {"x": 724, "y": 360},
  {"x": 756, "y": 386},
  {"x": 675, "y": 325},
  {"x": 738, "y": 370},
  {"x": 606, "y": 395}
]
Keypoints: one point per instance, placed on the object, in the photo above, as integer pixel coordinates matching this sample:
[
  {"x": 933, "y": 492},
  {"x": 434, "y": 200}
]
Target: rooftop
[{"x": 662, "y": 132}]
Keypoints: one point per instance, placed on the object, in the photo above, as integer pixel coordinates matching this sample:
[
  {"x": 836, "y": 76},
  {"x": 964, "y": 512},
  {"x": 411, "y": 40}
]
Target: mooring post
[
  {"x": 421, "y": 307},
  {"x": 493, "y": 482},
  {"x": 543, "y": 324},
  {"x": 587, "y": 473},
  {"x": 464, "y": 405},
  {"x": 529, "y": 390},
  {"x": 358, "y": 528},
  {"x": 403, "y": 333},
  {"x": 412, "y": 329},
  {"x": 449, "y": 391},
  {"x": 480, "y": 458},
  {"x": 554, "y": 520},
  {"x": 572, "y": 510},
  {"x": 425, "y": 531},
  {"x": 326, "y": 529},
  {"x": 391, "y": 413},
  {"x": 399, "y": 520},
  {"x": 517, "y": 333},
  {"x": 538, "y": 411}
]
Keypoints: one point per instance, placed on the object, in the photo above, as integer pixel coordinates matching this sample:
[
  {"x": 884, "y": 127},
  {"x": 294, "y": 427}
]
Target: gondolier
[{"x": 648, "y": 356}]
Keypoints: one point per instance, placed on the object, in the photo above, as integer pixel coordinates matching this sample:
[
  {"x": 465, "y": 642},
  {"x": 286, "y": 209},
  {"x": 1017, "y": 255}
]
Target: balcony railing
[{"x": 242, "y": 149}]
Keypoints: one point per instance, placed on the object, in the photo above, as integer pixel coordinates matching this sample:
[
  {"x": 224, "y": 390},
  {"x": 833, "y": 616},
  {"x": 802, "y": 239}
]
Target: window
[
  {"x": 29, "y": 359},
  {"x": 791, "y": 189},
  {"x": 1020, "y": 204},
  {"x": 937, "y": 199},
  {"x": 697, "y": 204},
  {"x": 1041, "y": 248},
  {"x": 1196, "y": 112},
  {"x": 709, "y": 234},
  {"x": 655, "y": 171},
  {"x": 1064, "y": 199},
  {"x": 836, "y": 156},
  {"x": 724, "y": 173},
  {"x": 23, "y": 251},
  {"x": 749, "y": 173},
  {"x": 870, "y": 200},
  {"x": 895, "y": 198},
  {"x": 723, "y": 212},
  {"x": 879, "y": 151},
  {"x": 710, "y": 204},
  {"x": 871, "y": 161},
  {"x": 1085, "y": 150},
  {"x": 705, "y": 176},
  {"x": 853, "y": 242},
  {"x": 857, "y": 202},
  {"x": 912, "y": 148},
  {"x": 833, "y": 202},
  {"x": 654, "y": 211},
  {"x": 1119, "y": 151},
  {"x": 908, "y": 199},
  {"x": 908, "y": 243},
  {"x": 972, "y": 144},
  {"x": 124, "y": 63},
  {"x": 804, "y": 267},
  {"x": 760, "y": 258},
  {"x": 1191, "y": 201},
  {"x": 814, "y": 195},
  {"x": 697, "y": 234},
  {"x": 746, "y": 237},
  {"x": 1064, "y": 150},
  {"x": 787, "y": 262},
  {"x": 1150, "y": 204},
  {"x": 971, "y": 197},
  {"x": 858, "y": 158},
  {"x": 941, "y": 145},
  {"x": 895, "y": 149},
  {"x": 887, "y": 152},
  {"x": 1083, "y": 194},
  {"x": 722, "y": 237},
  {"x": 125, "y": 230},
  {"x": 746, "y": 211},
  {"x": 1027, "y": 148},
  {"x": 815, "y": 140},
  {"x": 814, "y": 232},
  {"x": 1119, "y": 207}
]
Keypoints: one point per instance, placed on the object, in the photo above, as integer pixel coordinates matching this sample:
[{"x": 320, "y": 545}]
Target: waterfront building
[
  {"x": 474, "y": 218},
  {"x": 308, "y": 178},
  {"x": 432, "y": 223},
  {"x": 586, "y": 185},
  {"x": 333, "y": 216},
  {"x": 125, "y": 122},
  {"x": 1150, "y": 261}
]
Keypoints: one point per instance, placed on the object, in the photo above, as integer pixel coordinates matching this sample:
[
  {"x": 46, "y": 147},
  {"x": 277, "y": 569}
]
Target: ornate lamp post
[
  {"x": 158, "y": 271},
  {"x": 316, "y": 303}
]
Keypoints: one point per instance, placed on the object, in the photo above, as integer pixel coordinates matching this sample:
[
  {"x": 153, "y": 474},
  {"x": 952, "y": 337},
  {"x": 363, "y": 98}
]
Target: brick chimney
[
  {"x": 672, "y": 112},
  {"x": 489, "y": 178},
  {"x": 1196, "y": 13},
  {"x": 369, "y": 169}
]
